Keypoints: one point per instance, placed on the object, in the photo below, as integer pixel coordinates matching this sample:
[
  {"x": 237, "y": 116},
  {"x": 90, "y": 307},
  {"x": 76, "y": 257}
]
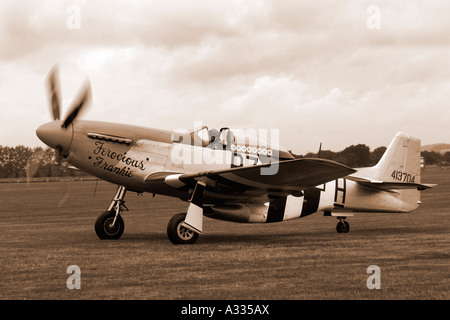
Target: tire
[
  {"x": 103, "y": 227},
  {"x": 177, "y": 233},
  {"x": 342, "y": 227}
]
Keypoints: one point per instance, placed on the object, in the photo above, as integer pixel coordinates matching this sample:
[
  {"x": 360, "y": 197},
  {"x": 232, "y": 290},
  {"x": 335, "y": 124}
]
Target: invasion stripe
[{"x": 276, "y": 210}]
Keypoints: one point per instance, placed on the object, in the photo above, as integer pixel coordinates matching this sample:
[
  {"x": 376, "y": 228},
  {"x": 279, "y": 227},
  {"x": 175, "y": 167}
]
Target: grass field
[{"x": 45, "y": 227}]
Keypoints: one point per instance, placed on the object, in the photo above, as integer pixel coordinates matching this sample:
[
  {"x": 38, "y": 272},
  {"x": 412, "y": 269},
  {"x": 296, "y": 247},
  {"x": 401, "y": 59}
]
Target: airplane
[{"x": 253, "y": 182}]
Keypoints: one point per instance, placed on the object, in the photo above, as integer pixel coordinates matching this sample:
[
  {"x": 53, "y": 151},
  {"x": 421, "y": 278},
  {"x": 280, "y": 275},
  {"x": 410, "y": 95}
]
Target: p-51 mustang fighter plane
[{"x": 225, "y": 176}]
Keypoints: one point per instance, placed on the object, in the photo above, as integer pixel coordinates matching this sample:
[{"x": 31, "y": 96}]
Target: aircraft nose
[{"x": 54, "y": 136}]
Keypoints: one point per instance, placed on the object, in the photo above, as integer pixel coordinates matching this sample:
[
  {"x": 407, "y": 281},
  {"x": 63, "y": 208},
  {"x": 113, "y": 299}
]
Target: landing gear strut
[
  {"x": 110, "y": 225},
  {"x": 342, "y": 226}
]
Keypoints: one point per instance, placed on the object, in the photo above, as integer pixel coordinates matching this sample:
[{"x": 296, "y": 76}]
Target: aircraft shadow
[{"x": 282, "y": 238}]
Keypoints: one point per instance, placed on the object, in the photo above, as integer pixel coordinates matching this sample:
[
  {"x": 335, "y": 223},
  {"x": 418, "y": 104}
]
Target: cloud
[
  {"x": 266, "y": 94},
  {"x": 311, "y": 68}
]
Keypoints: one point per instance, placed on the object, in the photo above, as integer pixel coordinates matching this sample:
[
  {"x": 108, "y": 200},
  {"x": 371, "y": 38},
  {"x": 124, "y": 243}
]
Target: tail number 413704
[{"x": 403, "y": 176}]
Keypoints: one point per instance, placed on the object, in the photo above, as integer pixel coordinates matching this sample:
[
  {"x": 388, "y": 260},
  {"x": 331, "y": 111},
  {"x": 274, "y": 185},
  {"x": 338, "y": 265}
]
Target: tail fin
[
  {"x": 400, "y": 162},
  {"x": 398, "y": 168}
]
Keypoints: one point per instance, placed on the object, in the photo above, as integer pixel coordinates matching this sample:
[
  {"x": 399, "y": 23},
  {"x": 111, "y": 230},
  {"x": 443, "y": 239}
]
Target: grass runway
[{"x": 46, "y": 227}]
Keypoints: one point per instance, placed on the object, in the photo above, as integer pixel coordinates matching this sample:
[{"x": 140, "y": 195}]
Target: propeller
[
  {"x": 54, "y": 93},
  {"x": 55, "y": 134},
  {"x": 43, "y": 157},
  {"x": 33, "y": 163},
  {"x": 78, "y": 104}
]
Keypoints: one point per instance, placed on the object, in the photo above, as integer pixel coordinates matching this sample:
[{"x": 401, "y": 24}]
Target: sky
[{"x": 338, "y": 73}]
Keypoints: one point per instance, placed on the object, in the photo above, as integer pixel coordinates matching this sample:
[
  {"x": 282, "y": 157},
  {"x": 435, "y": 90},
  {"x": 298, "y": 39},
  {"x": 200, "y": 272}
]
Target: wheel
[
  {"x": 342, "y": 227},
  {"x": 104, "y": 228},
  {"x": 177, "y": 233}
]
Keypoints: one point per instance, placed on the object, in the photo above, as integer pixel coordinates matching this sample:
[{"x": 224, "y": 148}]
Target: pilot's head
[{"x": 213, "y": 135}]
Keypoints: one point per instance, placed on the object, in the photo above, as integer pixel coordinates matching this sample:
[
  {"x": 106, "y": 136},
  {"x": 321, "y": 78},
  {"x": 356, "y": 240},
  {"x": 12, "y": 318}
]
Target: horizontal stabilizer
[{"x": 390, "y": 185}]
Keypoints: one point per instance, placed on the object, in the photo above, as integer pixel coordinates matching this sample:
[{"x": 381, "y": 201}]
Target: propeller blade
[
  {"x": 78, "y": 105},
  {"x": 33, "y": 163},
  {"x": 54, "y": 93}
]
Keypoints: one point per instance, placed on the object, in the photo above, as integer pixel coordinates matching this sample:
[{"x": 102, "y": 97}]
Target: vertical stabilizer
[{"x": 400, "y": 162}]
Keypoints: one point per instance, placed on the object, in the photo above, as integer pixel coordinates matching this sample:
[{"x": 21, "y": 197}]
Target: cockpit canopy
[{"x": 235, "y": 140}]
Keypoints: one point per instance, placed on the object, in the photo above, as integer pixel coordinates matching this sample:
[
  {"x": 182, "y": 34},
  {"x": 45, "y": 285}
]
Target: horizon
[{"x": 372, "y": 149}]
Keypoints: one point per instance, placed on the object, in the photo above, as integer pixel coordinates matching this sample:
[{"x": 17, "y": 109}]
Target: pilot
[{"x": 214, "y": 139}]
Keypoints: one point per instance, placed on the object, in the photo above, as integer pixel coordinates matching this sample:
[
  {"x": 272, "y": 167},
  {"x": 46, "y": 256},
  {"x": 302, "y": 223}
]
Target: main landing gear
[
  {"x": 110, "y": 225},
  {"x": 178, "y": 233},
  {"x": 184, "y": 228}
]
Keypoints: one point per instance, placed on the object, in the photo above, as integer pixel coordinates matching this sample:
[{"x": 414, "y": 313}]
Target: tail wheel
[
  {"x": 179, "y": 234},
  {"x": 342, "y": 227},
  {"x": 107, "y": 228}
]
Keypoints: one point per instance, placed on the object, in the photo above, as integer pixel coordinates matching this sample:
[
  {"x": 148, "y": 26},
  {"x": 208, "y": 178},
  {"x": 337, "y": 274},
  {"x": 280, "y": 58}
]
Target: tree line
[
  {"x": 22, "y": 162},
  {"x": 355, "y": 156},
  {"x": 432, "y": 157},
  {"x": 358, "y": 156}
]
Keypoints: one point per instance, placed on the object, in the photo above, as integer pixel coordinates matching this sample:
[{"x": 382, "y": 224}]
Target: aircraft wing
[{"x": 292, "y": 176}]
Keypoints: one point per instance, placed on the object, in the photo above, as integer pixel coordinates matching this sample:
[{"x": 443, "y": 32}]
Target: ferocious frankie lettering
[{"x": 105, "y": 153}]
